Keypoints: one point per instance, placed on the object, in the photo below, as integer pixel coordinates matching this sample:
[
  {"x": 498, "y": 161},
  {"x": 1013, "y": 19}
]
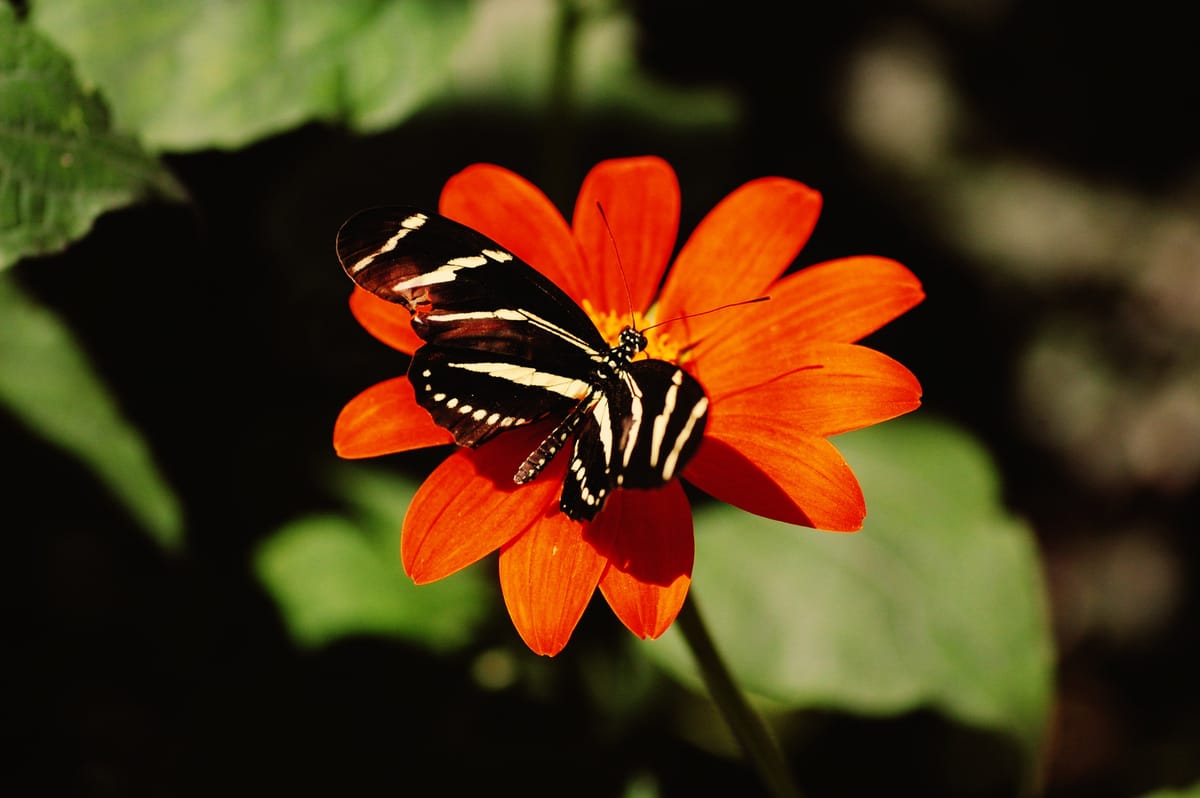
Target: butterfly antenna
[
  {"x": 710, "y": 310},
  {"x": 620, "y": 266}
]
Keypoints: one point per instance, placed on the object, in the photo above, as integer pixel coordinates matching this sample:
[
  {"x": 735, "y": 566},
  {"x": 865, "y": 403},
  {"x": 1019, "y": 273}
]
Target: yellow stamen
[{"x": 658, "y": 342}]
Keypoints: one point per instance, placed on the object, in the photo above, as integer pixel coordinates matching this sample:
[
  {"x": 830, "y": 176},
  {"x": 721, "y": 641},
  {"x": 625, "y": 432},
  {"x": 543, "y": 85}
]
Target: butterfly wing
[
  {"x": 476, "y": 395},
  {"x": 641, "y": 432},
  {"x": 505, "y": 345},
  {"x": 462, "y": 288}
]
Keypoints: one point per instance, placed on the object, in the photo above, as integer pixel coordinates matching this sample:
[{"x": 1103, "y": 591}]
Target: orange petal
[
  {"x": 387, "y": 321},
  {"x": 842, "y": 300},
  {"x": 778, "y": 473},
  {"x": 385, "y": 419},
  {"x": 640, "y": 198},
  {"x": 651, "y": 555},
  {"x": 516, "y": 214},
  {"x": 469, "y": 506},
  {"x": 817, "y": 388},
  {"x": 739, "y": 249},
  {"x": 548, "y": 576}
]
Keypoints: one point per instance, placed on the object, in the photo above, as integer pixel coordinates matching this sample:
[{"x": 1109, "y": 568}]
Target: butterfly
[{"x": 505, "y": 347}]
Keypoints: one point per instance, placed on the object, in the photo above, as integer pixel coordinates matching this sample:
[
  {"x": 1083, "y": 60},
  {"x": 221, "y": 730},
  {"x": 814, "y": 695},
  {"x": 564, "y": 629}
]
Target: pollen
[{"x": 659, "y": 343}]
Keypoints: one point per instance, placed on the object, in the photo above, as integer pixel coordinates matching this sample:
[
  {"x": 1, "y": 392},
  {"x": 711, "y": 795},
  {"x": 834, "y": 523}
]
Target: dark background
[{"x": 139, "y": 673}]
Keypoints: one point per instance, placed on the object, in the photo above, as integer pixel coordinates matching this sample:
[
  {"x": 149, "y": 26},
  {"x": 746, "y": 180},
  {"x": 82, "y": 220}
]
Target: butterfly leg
[{"x": 553, "y": 443}]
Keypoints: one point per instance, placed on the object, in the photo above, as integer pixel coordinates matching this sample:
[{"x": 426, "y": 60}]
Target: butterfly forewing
[
  {"x": 462, "y": 286},
  {"x": 506, "y": 345}
]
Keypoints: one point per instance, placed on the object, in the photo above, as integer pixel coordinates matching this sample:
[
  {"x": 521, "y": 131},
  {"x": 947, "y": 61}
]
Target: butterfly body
[{"x": 505, "y": 347}]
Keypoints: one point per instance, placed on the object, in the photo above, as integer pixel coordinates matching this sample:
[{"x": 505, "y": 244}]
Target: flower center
[{"x": 659, "y": 344}]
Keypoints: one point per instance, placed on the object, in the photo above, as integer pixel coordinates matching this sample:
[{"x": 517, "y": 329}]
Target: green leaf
[
  {"x": 191, "y": 74},
  {"x": 47, "y": 383},
  {"x": 1183, "y": 792},
  {"x": 510, "y": 56},
  {"x": 937, "y": 602},
  {"x": 61, "y": 164},
  {"x": 611, "y": 76},
  {"x": 201, "y": 73},
  {"x": 333, "y": 577}
]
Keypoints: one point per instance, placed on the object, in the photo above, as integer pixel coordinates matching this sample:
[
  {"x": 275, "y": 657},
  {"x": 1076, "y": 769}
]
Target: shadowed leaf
[
  {"x": 193, "y": 73},
  {"x": 47, "y": 383},
  {"x": 937, "y": 602},
  {"x": 61, "y": 163},
  {"x": 333, "y": 577}
]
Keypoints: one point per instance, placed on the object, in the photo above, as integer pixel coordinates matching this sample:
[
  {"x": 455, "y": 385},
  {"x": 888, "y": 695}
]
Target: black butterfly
[{"x": 506, "y": 347}]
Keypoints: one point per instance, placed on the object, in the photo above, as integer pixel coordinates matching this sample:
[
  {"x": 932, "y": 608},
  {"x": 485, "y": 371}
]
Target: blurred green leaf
[
  {"x": 46, "y": 382},
  {"x": 1182, "y": 792},
  {"x": 61, "y": 164},
  {"x": 937, "y": 602},
  {"x": 333, "y": 577},
  {"x": 202, "y": 73},
  {"x": 641, "y": 785},
  {"x": 509, "y": 57}
]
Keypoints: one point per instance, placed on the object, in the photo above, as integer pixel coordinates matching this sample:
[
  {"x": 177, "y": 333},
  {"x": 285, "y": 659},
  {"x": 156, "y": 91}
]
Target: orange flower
[{"x": 780, "y": 376}]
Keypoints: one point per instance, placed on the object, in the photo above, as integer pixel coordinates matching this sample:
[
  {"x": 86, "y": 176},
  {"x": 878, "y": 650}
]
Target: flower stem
[{"x": 759, "y": 745}]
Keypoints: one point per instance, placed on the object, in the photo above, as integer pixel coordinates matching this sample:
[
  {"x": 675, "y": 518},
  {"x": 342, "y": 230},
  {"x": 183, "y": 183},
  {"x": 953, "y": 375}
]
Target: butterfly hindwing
[
  {"x": 640, "y": 434},
  {"x": 665, "y": 425}
]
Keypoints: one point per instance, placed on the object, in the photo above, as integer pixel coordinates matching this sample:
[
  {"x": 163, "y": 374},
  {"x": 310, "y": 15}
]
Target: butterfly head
[{"x": 630, "y": 343}]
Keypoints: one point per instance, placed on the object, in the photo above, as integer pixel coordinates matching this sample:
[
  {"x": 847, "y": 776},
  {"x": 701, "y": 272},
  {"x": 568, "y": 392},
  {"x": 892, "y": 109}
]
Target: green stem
[{"x": 760, "y": 747}]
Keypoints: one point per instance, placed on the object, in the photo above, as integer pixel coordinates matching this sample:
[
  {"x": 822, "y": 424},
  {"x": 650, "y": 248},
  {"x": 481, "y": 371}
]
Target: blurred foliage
[
  {"x": 46, "y": 382},
  {"x": 196, "y": 73},
  {"x": 1184, "y": 792},
  {"x": 1108, "y": 380},
  {"x": 878, "y": 622},
  {"x": 61, "y": 162},
  {"x": 335, "y": 578}
]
